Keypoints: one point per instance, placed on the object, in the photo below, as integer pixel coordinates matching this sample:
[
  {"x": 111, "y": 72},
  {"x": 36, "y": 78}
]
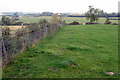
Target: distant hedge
[
  {"x": 74, "y": 23},
  {"x": 89, "y": 23}
]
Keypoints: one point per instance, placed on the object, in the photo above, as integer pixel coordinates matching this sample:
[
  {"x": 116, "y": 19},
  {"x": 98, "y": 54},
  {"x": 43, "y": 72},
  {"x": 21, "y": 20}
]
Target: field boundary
[{"x": 15, "y": 41}]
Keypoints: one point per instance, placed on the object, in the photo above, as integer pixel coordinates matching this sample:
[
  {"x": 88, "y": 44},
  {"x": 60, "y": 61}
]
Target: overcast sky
[{"x": 73, "y": 6}]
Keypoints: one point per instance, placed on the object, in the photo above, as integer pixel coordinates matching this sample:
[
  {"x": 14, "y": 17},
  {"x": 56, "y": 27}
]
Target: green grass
[
  {"x": 33, "y": 19},
  {"x": 76, "y": 51},
  {"x": 67, "y": 19}
]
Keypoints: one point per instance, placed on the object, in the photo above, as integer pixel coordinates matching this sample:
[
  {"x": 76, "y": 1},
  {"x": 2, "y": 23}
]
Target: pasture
[
  {"x": 76, "y": 51},
  {"x": 67, "y": 19}
]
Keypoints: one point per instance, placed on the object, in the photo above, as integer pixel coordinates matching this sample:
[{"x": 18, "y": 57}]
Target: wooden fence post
[
  {"x": 4, "y": 53},
  {"x": 0, "y": 52}
]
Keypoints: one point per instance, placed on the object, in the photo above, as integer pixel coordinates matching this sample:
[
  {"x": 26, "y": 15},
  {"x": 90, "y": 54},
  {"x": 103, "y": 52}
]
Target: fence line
[{"x": 21, "y": 39}]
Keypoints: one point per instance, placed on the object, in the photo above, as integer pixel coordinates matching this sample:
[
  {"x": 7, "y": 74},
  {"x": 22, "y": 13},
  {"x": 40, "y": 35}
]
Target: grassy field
[
  {"x": 67, "y": 19},
  {"x": 76, "y": 51},
  {"x": 33, "y": 19}
]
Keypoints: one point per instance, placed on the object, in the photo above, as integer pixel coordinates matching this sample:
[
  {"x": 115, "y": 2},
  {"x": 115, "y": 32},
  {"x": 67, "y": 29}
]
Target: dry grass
[{"x": 14, "y": 27}]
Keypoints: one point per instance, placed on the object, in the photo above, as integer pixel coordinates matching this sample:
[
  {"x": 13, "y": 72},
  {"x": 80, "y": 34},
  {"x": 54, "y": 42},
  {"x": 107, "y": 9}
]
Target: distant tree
[
  {"x": 15, "y": 17},
  {"x": 93, "y": 14},
  {"x": 6, "y": 21},
  {"x": 56, "y": 18}
]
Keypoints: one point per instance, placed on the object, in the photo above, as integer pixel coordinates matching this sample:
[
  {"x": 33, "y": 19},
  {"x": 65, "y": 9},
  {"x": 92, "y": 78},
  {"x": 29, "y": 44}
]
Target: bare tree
[
  {"x": 56, "y": 18},
  {"x": 15, "y": 17}
]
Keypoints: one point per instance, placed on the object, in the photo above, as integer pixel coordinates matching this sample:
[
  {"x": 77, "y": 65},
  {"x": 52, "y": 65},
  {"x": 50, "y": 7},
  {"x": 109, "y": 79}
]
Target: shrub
[
  {"x": 56, "y": 18},
  {"x": 43, "y": 23},
  {"x": 107, "y": 21},
  {"x": 74, "y": 23},
  {"x": 18, "y": 23},
  {"x": 7, "y": 21},
  {"x": 89, "y": 23},
  {"x": 115, "y": 24}
]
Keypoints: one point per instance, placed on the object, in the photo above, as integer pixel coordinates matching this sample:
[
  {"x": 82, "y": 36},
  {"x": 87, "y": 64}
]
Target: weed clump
[
  {"x": 65, "y": 63},
  {"x": 76, "y": 48}
]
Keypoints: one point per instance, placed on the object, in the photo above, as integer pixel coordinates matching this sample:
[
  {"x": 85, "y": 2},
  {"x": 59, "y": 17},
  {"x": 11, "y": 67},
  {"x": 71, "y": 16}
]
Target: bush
[
  {"x": 56, "y": 18},
  {"x": 89, "y": 23},
  {"x": 33, "y": 27},
  {"x": 43, "y": 22},
  {"x": 18, "y": 23},
  {"x": 107, "y": 21},
  {"x": 7, "y": 21},
  {"x": 74, "y": 23},
  {"x": 115, "y": 24}
]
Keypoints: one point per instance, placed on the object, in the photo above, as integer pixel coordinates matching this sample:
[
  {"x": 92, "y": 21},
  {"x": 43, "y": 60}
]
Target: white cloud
[{"x": 78, "y": 6}]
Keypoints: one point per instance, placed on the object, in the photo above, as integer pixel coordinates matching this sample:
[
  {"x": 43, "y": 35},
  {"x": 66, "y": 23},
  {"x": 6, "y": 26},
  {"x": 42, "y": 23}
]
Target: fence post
[
  {"x": 5, "y": 49},
  {"x": 0, "y": 52}
]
